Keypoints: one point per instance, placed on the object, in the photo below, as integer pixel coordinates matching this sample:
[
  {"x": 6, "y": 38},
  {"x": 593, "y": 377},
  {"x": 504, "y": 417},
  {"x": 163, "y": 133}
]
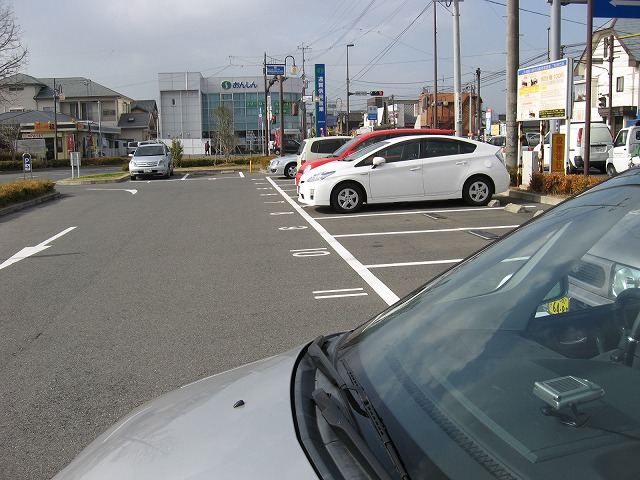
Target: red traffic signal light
[{"x": 376, "y": 93}]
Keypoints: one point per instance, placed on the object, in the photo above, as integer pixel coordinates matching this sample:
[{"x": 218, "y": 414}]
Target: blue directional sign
[
  {"x": 275, "y": 69},
  {"x": 616, "y": 8}
]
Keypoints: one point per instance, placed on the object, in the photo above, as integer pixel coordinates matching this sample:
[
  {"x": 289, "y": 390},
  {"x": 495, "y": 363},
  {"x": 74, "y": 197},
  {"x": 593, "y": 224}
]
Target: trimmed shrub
[
  {"x": 23, "y": 190},
  {"x": 562, "y": 185}
]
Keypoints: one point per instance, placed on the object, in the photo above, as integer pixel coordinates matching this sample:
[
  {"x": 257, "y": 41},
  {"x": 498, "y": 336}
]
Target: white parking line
[
  {"x": 374, "y": 282},
  {"x": 416, "y": 212},
  {"x": 435, "y": 230},
  {"x": 412, "y": 264},
  {"x": 340, "y": 293}
]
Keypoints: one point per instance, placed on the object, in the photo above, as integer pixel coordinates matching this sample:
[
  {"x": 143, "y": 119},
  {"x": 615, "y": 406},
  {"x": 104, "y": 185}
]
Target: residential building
[
  {"x": 92, "y": 115},
  {"x": 615, "y": 75}
]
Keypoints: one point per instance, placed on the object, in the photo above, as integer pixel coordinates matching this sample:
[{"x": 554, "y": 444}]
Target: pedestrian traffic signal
[{"x": 376, "y": 93}]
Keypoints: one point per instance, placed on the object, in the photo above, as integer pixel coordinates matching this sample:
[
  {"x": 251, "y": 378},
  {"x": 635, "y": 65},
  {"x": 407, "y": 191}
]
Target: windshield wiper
[
  {"x": 332, "y": 413},
  {"x": 378, "y": 424},
  {"x": 355, "y": 443}
]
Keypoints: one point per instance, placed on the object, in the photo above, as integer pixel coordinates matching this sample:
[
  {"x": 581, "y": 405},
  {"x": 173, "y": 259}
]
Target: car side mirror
[{"x": 377, "y": 161}]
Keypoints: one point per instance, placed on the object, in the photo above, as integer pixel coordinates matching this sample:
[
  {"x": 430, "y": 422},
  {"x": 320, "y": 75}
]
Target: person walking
[{"x": 206, "y": 147}]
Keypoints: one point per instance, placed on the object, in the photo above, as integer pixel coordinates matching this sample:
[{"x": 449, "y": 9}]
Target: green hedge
[{"x": 23, "y": 190}]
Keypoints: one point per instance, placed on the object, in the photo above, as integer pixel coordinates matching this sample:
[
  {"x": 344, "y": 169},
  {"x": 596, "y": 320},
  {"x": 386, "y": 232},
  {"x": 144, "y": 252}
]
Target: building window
[
  {"x": 16, "y": 89},
  {"x": 579, "y": 92},
  {"x": 620, "y": 84}
]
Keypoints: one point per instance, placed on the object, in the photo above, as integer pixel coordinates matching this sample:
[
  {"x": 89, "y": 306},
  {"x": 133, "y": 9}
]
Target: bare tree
[
  {"x": 13, "y": 56},
  {"x": 9, "y": 134},
  {"x": 224, "y": 138}
]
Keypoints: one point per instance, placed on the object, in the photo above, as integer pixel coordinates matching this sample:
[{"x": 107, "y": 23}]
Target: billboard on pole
[{"x": 544, "y": 91}]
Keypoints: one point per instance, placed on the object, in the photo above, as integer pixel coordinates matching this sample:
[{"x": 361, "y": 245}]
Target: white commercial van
[
  {"x": 601, "y": 143},
  {"x": 627, "y": 140}
]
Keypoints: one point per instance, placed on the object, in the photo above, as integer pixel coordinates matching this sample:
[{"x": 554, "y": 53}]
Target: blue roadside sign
[
  {"x": 616, "y": 8},
  {"x": 275, "y": 69}
]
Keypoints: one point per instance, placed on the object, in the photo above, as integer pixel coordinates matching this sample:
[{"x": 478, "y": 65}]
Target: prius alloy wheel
[
  {"x": 347, "y": 198},
  {"x": 477, "y": 191}
]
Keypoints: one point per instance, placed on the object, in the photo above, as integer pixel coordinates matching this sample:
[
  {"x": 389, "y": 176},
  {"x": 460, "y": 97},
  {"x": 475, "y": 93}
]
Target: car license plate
[
  {"x": 147, "y": 170},
  {"x": 598, "y": 149},
  {"x": 559, "y": 306}
]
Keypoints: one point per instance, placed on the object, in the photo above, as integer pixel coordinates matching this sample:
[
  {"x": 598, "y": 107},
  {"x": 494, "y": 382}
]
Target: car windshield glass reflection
[
  {"x": 149, "y": 151},
  {"x": 472, "y": 363}
]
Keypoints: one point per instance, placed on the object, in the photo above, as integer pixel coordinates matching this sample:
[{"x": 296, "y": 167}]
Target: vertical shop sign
[{"x": 321, "y": 114}]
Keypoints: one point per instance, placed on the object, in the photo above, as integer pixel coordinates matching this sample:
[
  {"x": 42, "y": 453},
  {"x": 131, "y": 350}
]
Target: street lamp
[{"x": 348, "y": 92}]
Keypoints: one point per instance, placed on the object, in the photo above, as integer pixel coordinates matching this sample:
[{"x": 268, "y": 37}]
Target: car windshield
[
  {"x": 149, "y": 150},
  {"x": 365, "y": 151},
  {"x": 494, "y": 365},
  {"x": 345, "y": 147}
]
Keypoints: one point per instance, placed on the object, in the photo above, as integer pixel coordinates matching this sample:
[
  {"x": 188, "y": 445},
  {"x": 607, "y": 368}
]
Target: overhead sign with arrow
[{"x": 616, "y": 8}]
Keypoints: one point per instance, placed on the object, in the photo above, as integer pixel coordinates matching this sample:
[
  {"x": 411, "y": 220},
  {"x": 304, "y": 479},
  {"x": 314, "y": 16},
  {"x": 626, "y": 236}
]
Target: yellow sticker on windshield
[{"x": 559, "y": 306}]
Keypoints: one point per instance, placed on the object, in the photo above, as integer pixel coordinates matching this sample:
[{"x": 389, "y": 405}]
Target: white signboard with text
[{"x": 544, "y": 91}]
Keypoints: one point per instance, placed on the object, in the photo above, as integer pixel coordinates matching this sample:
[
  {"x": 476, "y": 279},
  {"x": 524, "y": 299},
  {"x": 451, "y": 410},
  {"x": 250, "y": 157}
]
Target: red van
[{"x": 364, "y": 140}]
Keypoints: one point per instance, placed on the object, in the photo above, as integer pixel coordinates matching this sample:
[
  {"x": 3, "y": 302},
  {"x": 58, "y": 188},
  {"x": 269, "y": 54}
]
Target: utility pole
[
  {"x": 304, "y": 91},
  {"x": 586, "y": 135},
  {"x": 513, "y": 61},
  {"x": 610, "y": 99},
  {"x": 435, "y": 67},
  {"x": 456, "y": 69},
  {"x": 265, "y": 116},
  {"x": 478, "y": 106}
]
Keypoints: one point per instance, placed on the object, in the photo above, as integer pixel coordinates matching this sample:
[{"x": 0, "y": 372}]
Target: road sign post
[{"x": 26, "y": 165}]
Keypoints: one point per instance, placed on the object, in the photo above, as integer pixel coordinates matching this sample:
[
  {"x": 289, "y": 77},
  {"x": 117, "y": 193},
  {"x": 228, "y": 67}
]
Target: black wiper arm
[
  {"x": 378, "y": 424},
  {"x": 323, "y": 362},
  {"x": 355, "y": 443}
]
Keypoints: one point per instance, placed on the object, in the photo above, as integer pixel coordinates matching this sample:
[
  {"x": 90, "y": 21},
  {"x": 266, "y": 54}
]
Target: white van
[
  {"x": 627, "y": 140},
  {"x": 601, "y": 143}
]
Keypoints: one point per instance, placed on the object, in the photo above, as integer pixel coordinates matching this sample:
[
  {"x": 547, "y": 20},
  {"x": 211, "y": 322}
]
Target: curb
[
  {"x": 534, "y": 197},
  {"x": 30, "y": 203}
]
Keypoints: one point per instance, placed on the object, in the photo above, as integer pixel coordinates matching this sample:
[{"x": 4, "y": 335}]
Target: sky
[{"x": 124, "y": 44}]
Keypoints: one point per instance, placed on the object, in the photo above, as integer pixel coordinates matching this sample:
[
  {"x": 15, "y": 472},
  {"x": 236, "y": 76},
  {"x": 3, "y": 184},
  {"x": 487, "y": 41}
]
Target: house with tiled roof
[
  {"x": 615, "y": 75},
  {"x": 141, "y": 123},
  {"x": 98, "y": 112}
]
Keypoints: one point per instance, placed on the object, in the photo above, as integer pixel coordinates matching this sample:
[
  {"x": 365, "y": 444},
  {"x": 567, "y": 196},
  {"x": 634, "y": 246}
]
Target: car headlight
[
  {"x": 132, "y": 163},
  {"x": 319, "y": 176},
  {"x": 624, "y": 277}
]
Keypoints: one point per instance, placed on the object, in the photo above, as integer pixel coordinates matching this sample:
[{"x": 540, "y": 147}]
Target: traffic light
[
  {"x": 376, "y": 93},
  {"x": 602, "y": 102}
]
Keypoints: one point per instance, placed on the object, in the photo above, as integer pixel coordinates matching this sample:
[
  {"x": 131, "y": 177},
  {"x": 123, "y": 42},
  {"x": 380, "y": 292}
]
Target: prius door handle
[
  {"x": 414, "y": 169},
  {"x": 461, "y": 162}
]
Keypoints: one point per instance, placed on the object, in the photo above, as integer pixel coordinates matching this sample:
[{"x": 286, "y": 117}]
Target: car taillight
[{"x": 579, "y": 137}]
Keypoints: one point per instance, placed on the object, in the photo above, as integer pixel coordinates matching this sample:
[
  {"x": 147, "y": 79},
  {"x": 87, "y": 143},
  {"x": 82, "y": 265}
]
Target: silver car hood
[{"x": 197, "y": 433}]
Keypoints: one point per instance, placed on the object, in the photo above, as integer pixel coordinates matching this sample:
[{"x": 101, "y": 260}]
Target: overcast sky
[{"x": 124, "y": 44}]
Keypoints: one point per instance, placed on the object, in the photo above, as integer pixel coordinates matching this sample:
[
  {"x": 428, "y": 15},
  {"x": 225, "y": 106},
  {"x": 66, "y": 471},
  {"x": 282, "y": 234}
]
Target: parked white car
[
  {"x": 153, "y": 159},
  {"x": 405, "y": 169},
  {"x": 620, "y": 157}
]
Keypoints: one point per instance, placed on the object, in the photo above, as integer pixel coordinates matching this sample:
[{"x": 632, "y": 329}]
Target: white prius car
[{"x": 406, "y": 169}]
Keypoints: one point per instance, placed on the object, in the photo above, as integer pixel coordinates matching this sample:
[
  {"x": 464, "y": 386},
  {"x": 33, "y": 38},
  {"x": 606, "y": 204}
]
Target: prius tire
[
  {"x": 347, "y": 198},
  {"x": 477, "y": 191},
  {"x": 611, "y": 170}
]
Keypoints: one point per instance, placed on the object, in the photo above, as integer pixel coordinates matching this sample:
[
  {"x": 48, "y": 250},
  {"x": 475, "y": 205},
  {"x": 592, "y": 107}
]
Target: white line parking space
[
  {"x": 380, "y": 288},
  {"x": 387, "y": 241}
]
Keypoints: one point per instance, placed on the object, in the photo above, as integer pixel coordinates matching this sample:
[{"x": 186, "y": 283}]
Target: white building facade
[{"x": 188, "y": 102}]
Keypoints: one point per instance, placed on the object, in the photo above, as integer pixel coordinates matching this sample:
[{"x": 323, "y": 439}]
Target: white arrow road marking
[
  {"x": 132, "y": 192},
  {"x": 28, "y": 251}
]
